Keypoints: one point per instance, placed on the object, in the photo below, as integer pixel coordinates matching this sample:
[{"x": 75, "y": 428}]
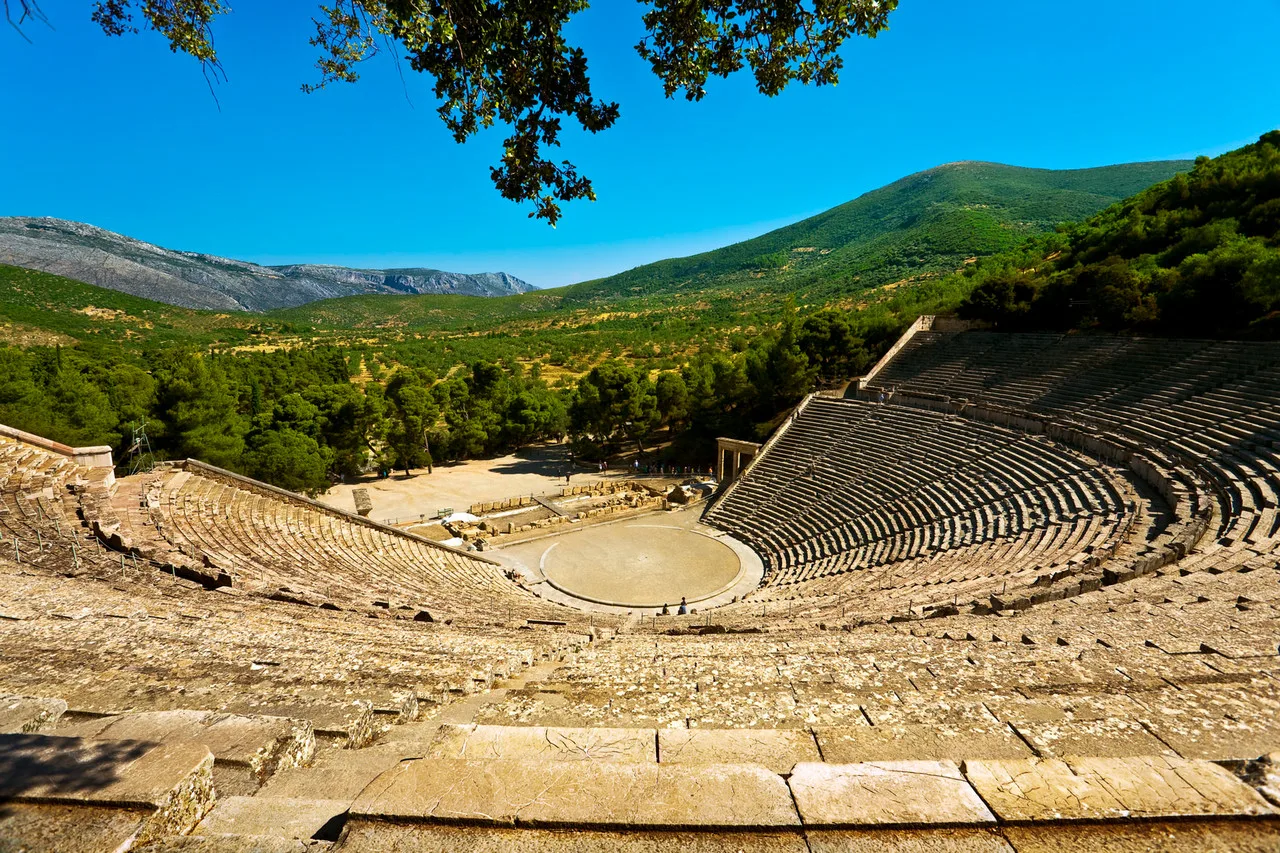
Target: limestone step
[
  {"x": 779, "y": 750},
  {"x": 339, "y": 775},
  {"x": 41, "y": 827},
  {"x": 378, "y": 837},
  {"x": 233, "y": 844},
  {"x": 166, "y": 787},
  {"x": 247, "y": 750},
  {"x": 578, "y": 794},
  {"x": 478, "y": 742},
  {"x": 276, "y": 817},
  {"x": 29, "y": 714},
  {"x": 1153, "y": 786},
  {"x": 889, "y": 793}
]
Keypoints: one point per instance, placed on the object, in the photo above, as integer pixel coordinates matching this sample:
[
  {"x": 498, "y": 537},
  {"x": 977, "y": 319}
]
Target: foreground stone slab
[
  {"x": 340, "y": 775},
  {"x": 29, "y": 714},
  {"x": 541, "y": 743},
  {"x": 910, "y": 742},
  {"x": 44, "y": 828},
  {"x": 376, "y": 837},
  {"x": 889, "y": 793},
  {"x": 285, "y": 818},
  {"x": 907, "y": 841},
  {"x": 1109, "y": 788},
  {"x": 579, "y": 794},
  {"x": 777, "y": 749},
  {"x": 1235, "y": 836},
  {"x": 260, "y": 744},
  {"x": 171, "y": 783}
]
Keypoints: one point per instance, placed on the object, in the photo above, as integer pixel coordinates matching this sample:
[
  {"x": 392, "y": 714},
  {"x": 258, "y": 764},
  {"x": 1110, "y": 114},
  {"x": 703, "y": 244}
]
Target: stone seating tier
[{"x": 892, "y": 505}]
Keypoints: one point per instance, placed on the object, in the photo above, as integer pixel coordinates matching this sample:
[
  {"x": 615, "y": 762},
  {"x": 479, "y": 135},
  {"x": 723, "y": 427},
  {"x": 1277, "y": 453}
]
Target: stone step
[
  {"x": 40, "y": 827},
  {"x": 889, "y": 793},
  {"x": 29, "y": 714},
  {"x": 1152, "y": 786},
  {"x": 342, "y": 774},
  {"x": 607, "y": 794},
  {"x": 578, "y": 794},
  {"x": 276, "y": 817},
  {"x": 247, "y": 750},
  {"x": 779, "y": 750},
  {"x": 166, "y": 787},
  {"x": 233, "y": 844},
  {"x": 379, "y": 837},
  {"x": 479, "y": 742}
]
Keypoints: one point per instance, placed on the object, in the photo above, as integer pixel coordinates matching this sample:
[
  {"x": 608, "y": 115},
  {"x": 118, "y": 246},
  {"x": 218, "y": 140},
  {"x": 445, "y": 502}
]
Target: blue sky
[{"x": 123, "y": 134}]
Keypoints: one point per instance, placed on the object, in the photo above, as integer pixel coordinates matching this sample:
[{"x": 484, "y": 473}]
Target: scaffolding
[{"x": 141, "y": 459}]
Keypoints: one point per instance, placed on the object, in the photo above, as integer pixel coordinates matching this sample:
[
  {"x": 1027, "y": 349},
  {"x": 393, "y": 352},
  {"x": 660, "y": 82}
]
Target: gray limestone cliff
[{"x": 106, "y": 259}]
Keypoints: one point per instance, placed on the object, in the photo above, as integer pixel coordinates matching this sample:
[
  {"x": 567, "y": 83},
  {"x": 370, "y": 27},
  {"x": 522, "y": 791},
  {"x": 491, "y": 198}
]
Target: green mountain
[
  {"x": 918, "y": 228},
  {"x": 1198, "y": 255},
  {"x": 925, "y": 224}
]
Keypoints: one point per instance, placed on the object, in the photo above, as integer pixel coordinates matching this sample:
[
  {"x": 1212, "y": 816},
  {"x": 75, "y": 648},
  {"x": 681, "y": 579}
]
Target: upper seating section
[
  {"x": 1209, "y": 405},
  {"x": 914, "y": 499}
]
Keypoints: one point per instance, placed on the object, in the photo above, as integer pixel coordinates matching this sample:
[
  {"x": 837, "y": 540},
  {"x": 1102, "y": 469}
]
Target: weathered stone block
[
  {"x": 777, "y": 749},
  {"x": 29, "y": 714},
  {"x": 1107, "y": 788},
  {"x": 538, "y": 742},
  {"x": 890, "y": 793},
  {"x": 580, "y": 794},
  {"x": 171, "y": 783}
]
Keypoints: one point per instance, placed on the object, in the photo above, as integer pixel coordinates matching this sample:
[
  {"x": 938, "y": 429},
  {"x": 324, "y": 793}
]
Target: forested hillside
[
  {"x": 1198, "y": 254},
  {"x": 926, "y": 223},
  {"x": 304, "y": 396}
]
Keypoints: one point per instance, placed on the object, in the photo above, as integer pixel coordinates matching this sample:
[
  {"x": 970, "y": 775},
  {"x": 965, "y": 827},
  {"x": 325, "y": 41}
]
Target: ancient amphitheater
[{"x": 1014, "y": 593}]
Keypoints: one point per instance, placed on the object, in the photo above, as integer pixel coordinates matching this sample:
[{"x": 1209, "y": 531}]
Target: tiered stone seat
[
  {"x": 275, "y": 544},
  {"x": 896, "y": 506},
  {"x": 1211, "y": 406},
  {"x": 1007, "y": 625},
  {"x": 153, "y": 644},
  {"x": 39, "y": 523}
]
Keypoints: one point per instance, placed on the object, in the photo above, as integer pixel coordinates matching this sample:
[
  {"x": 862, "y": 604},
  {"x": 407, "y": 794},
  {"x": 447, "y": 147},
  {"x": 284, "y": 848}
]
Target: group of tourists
[{"x": 681, "y": 611}]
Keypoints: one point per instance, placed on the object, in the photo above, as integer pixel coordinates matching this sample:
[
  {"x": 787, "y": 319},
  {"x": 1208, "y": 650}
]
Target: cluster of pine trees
[{"x": 302, "y": 419}]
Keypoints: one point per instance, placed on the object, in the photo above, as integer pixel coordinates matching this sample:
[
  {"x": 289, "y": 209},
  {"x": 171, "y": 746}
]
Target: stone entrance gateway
[{"x": 732, "y": 456}]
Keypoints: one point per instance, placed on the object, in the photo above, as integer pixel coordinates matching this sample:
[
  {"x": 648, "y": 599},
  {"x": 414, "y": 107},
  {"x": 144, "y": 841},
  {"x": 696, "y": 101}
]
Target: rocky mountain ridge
[{"x": 194, "y": 280}]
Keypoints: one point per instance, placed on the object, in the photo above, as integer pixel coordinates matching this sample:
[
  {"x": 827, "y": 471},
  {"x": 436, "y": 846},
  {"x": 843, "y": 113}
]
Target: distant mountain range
[{"x": 192, "y": 280}]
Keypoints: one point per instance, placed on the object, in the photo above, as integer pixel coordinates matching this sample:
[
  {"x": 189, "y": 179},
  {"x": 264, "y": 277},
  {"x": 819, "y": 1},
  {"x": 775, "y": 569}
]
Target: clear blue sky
[{"x": 123, "y": 134}]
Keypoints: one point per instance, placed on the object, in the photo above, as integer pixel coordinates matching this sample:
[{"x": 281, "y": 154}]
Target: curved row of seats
[
  {"x": 149, "y": 642},
  {"x": 1167, "y": 664},
  {"x": 266, "y": 544},
  {"x": 909, "y": 497},
  {"x": 39, "y": 517},
  {"x": 1212, "y": 405}
]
